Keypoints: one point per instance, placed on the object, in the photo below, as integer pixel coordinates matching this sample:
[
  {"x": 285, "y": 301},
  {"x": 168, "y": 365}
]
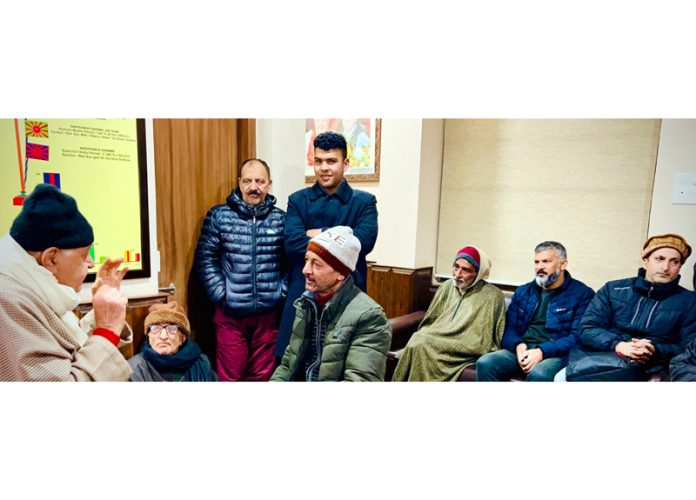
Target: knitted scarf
[{"x": 186, "y": 360}]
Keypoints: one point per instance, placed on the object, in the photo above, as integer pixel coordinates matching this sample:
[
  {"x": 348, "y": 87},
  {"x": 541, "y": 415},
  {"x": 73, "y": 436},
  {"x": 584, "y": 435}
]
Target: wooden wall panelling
[
  {"x": 195, "y": 168},
  {"x": 246, "y": 139},
  {"x": 423, "y": 295},
  {"x": 136, "y": 312},
  {"x": 399, "y": 291}
]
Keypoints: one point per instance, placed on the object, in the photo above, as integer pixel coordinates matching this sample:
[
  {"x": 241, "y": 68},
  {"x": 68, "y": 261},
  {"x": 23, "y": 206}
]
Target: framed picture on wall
[{"x": 363, "y": 138}]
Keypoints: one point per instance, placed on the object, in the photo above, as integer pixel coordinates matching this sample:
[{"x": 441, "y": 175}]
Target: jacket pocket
[
  {"x": 560, "y": 318},
  {"x": 339, "y": 335}
]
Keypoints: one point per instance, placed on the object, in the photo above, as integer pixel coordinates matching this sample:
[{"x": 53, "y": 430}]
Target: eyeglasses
[{"x": 170, "y": 329}]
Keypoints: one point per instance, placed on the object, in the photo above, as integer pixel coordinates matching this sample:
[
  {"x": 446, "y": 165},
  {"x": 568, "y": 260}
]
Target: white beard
[
  {"x": 462, "y": 286},
  {"x": 548, "y": 280}
]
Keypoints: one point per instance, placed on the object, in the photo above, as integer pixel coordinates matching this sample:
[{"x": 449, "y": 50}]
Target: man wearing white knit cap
[{"x": 339, "y": 333}]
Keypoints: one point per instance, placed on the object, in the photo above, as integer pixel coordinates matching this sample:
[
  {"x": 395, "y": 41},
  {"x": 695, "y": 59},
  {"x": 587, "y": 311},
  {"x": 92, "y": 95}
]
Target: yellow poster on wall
[{"x": 96, "y": 161}]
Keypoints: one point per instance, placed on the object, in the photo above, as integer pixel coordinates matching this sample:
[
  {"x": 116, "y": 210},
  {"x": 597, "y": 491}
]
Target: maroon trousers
[{"x": 245, "y": 346}]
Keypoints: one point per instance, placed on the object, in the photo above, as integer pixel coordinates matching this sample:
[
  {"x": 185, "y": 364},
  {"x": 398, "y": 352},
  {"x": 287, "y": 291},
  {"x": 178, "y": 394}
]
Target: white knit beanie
[{"x": 338, "y": 247}]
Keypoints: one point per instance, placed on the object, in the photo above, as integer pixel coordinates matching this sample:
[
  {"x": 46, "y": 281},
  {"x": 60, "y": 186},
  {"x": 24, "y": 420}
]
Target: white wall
[
  {"x": 429, "y": 193},
  {"x": 397, "y": 193},
  {"x": 280, "y": 143},
  {"x": 408, "y": 192},
  {"x": 676, "y": 154}
]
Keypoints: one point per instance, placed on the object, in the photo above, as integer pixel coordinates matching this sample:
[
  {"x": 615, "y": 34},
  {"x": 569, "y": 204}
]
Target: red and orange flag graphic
[{"x": 36, "y": 129}]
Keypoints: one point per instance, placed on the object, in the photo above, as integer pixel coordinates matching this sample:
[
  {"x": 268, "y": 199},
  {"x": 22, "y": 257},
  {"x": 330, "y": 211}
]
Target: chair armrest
[
  {"x": 403, "y": 327},
  {"x": 468, "y": 374}
]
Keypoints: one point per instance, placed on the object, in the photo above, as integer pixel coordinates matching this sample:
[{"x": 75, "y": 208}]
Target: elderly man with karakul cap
[
  {"x": 339, "y": 333},
  {"x": 465, "y": 320},
  {"x": 635, "y": 326}
]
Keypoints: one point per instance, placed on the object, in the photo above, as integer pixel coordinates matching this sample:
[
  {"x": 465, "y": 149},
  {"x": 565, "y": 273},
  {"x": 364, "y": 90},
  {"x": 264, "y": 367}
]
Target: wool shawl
[
  {"x": 36, "y": 345},
  {"x": 457, "y": 329}
]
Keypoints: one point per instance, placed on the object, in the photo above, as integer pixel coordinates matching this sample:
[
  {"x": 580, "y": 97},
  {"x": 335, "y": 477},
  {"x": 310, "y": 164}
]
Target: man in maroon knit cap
[{"x": 464, "y": 321}]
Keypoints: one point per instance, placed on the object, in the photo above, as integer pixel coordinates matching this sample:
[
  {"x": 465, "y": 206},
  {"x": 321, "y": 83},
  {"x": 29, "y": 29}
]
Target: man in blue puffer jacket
[
  {"x": 542, "y": 322},
  {"x": 645, "y": 321},
  {"x": 240, "y": 261}
]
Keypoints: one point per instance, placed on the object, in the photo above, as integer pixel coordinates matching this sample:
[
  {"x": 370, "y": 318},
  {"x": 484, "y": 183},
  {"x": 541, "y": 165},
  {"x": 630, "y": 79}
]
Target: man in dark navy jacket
[
  {"x": 645, "y": 321},
  {"x": 240, "y": 261},
  {"x": 683, "y": 367},
  {"x": 329, "y": 202},
  {"x": 542, "y": 322}
]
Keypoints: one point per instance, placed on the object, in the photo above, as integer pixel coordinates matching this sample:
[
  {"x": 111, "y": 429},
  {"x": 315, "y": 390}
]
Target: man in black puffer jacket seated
[
  {"x": 635, "y": 326},
  {"x": 683, "y": 367},
  {"x": 240, "y": 261}
]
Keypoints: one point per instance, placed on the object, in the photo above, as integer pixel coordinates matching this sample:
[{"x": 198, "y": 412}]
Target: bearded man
[
  {"x": 465, "y": 320},
  {"x": 542, "y": 323}
]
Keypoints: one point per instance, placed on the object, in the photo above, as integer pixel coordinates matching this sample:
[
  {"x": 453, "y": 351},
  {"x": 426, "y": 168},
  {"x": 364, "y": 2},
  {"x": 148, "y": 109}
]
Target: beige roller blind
[{"x": 510, "y": 184}]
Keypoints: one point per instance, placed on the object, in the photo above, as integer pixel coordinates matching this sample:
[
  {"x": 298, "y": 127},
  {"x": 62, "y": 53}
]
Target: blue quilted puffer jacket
[
  {"x": 240, "y": 257},
  {"x": 665, "y": 313},
  {"x": 566, "y": 307}
]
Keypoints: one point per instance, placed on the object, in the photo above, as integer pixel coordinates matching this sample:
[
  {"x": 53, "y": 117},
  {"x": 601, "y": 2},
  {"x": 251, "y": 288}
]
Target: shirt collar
[{"x": 344, "y": 192}]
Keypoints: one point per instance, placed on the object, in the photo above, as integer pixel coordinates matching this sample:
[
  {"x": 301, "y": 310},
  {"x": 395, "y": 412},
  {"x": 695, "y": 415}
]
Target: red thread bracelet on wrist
[{"x": 108, "y": 335}]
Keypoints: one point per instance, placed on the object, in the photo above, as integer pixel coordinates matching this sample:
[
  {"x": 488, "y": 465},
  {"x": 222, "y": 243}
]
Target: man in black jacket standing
[
  {"x": 330, "y": 202},
  {"x": 645, "y": 321},
  {"x": 240, "y": 261}
]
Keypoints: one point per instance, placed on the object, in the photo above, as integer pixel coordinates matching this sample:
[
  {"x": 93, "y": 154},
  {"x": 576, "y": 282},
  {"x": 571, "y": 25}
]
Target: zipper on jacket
[
  {"x": 303, "y": 349},
  {"x": 317, "y": 337},
  {"x": 456, "y": 309},
  {"x": 253, "y": 258},
  {"x": 647, "y": 325},
  {"x": 637, "y": 309}
]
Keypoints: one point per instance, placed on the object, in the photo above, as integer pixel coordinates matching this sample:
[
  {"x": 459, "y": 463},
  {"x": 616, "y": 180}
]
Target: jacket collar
[
  {"x": 656, "y": 291},
  {"x": 344, "y": 192},
  {"x": 236, "y": 203}
]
